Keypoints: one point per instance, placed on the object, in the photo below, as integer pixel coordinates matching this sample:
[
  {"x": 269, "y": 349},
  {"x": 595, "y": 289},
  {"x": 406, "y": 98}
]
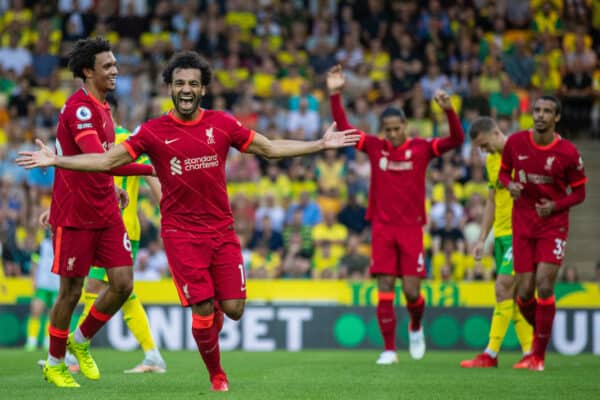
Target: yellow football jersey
[
  {"x": 504, "y": 203},
  {"x": 131, "y": 184}
]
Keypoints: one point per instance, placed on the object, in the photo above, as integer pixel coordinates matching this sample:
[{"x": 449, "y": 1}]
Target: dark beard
[{"x": 196, "y": 104}]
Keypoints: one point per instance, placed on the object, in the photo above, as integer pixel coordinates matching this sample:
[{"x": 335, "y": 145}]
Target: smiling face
[
  {"x": 186, "y": 92},
  {"x": 545, "y": 116},
  {"x": 104, "y": 75}
]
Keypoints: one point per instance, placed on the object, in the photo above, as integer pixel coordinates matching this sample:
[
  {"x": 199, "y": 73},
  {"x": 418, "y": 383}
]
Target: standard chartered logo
[
  {"x": 175, "y": 166},
  {"x": 191, "y": 164}
]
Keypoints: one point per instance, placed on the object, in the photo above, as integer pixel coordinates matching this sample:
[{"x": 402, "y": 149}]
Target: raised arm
[
  {"x": 335, "y": 84},
  {"x": 265, "y": 147},
  {"x": 93, "y": 162},
  {"x": 457, "y": 136}
]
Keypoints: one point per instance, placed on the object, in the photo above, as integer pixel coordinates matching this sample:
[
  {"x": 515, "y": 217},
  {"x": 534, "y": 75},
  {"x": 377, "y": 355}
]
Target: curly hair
[
  {"x": 187, "y": 59},
  {"x": 84, "y": 53}
]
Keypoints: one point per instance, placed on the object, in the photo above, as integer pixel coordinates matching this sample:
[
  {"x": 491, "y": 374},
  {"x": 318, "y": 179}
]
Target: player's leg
[
  {"x": 412, "y": 269},
  {"x": 546, "y": 309},
  {"x": 415, "y": 305},
  {"x": 206, "y": 334},
  {"x": 386, "y": 318},
  {"x": 137, "y": 321},
  {"x": 73, "y": 253},
  {"x": 95, "y": 283},
  {"x": 385, "y": 266},
  {"x": 36, "y": 309},
  {"x": 113, "y": 251},
  {"x": 55, "y": 370},
  {"x": 523, "y": 261},
  {"x": 189, "y": 262}
]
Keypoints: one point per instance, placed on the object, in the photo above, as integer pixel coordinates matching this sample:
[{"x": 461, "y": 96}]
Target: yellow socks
[
  {"x": 137, "y": 321},
  {"x": 503, "y": 314}
]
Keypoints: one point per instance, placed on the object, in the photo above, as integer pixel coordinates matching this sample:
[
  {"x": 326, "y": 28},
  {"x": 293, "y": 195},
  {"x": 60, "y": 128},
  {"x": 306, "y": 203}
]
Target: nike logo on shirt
[{"x": 169, "y": 141}]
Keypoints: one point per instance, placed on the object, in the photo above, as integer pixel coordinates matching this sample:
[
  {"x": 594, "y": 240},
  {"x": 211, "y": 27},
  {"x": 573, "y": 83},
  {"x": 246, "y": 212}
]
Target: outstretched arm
[
  {"x": 91, "y": 144},
  {"x": 99, "y": 162},
  {"x": 263, "y": 146},
  {"x": 457, "y": 136}
]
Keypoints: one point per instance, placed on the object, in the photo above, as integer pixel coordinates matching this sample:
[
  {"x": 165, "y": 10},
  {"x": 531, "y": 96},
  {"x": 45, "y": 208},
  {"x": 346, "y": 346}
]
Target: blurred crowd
[{"x": 304, "y": 217}]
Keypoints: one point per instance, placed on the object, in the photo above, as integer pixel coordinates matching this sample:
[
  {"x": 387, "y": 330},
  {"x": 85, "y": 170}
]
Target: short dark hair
[
  {"x": 481, "y": 125},
  {"x": 84, "y": 53},
  {"x": 555, "y": 100},
  {"x": 187, "y": 59},
  {"x": 391, "y": 112}
]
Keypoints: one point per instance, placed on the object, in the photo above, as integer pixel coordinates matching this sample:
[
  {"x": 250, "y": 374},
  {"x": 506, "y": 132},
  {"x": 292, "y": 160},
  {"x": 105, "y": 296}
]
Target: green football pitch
[{"x": 309, "y": 375}]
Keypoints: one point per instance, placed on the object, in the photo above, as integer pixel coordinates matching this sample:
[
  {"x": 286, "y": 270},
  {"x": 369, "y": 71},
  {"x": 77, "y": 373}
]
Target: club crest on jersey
[
  {"x": 549, "y": 162},
  {"x": 175, "y": 166},
  {"x": 71, "y": 263},
  {"x": 83, "y": 113},
  {"x": 383, "y": 163},
  {"x": 580, "y": 164},
  {"x": 407, "y": 154},
  {"x": 210, "y": 139}
]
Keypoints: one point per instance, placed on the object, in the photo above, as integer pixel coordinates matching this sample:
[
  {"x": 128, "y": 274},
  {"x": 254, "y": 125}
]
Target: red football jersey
[
  {"x": 544, "y": 171},
  {"x": 189, "y": 159},
  {"x": 397, "y": 190},
  {"x": 83, "y": 200}
]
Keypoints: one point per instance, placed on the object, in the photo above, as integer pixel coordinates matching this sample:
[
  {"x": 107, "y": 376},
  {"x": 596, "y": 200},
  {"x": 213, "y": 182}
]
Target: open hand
[
  {"x": 335, "y": 79},
  {"x": 44, "y": 157},
  {"x": 334, "y": 139}
]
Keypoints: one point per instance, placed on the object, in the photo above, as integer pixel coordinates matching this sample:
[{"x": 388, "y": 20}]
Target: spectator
[
  {"x": 353, "y": 264},
  {"x": 505, "y": 103},
  {"x": 570, "y": 274},
  {"x": 270, "y": 209},
  {"x": 352, "y": 216},
  {"x": 267, "y": 237},
  {"x": 15, "y": 57}
]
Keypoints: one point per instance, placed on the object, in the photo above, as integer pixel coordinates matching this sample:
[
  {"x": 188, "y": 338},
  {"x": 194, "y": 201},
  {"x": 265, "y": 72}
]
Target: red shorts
[
  {"x": 76, "y": 250},
  {"x": 397, "y": 251},
  {"x": 547, "y": 246},
  {"x": 206, "y": 267}
]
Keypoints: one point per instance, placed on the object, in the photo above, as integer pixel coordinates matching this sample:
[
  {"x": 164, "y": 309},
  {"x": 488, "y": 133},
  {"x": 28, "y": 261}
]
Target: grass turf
[{"x": 308, "y": 375}]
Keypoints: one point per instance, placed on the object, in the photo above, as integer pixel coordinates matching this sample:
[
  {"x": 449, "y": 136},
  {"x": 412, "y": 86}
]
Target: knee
[
  {"x": 545, "y": 288},
  {"x": 234, "y": 310},
  {"x": 71, "y": 295},
  {"x": 545, "y": 291},
  {"x": 411, "y": 294},
  {"x": 503, "y": 292},
  {"x": 124, "y": 288}
]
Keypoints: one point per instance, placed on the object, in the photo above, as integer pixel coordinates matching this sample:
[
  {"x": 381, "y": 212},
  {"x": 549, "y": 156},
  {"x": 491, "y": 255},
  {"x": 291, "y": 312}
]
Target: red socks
[
  {"x": 528, "y": 309},
  {"x": 206, "y": 334},
  {"x": 544, "y": 319},
  {"x": 387, "y": 319},
  {"x": 58, "y": 342},
  {"x": 416, "y": 309},
  {"x": 93, "y": 322}
]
